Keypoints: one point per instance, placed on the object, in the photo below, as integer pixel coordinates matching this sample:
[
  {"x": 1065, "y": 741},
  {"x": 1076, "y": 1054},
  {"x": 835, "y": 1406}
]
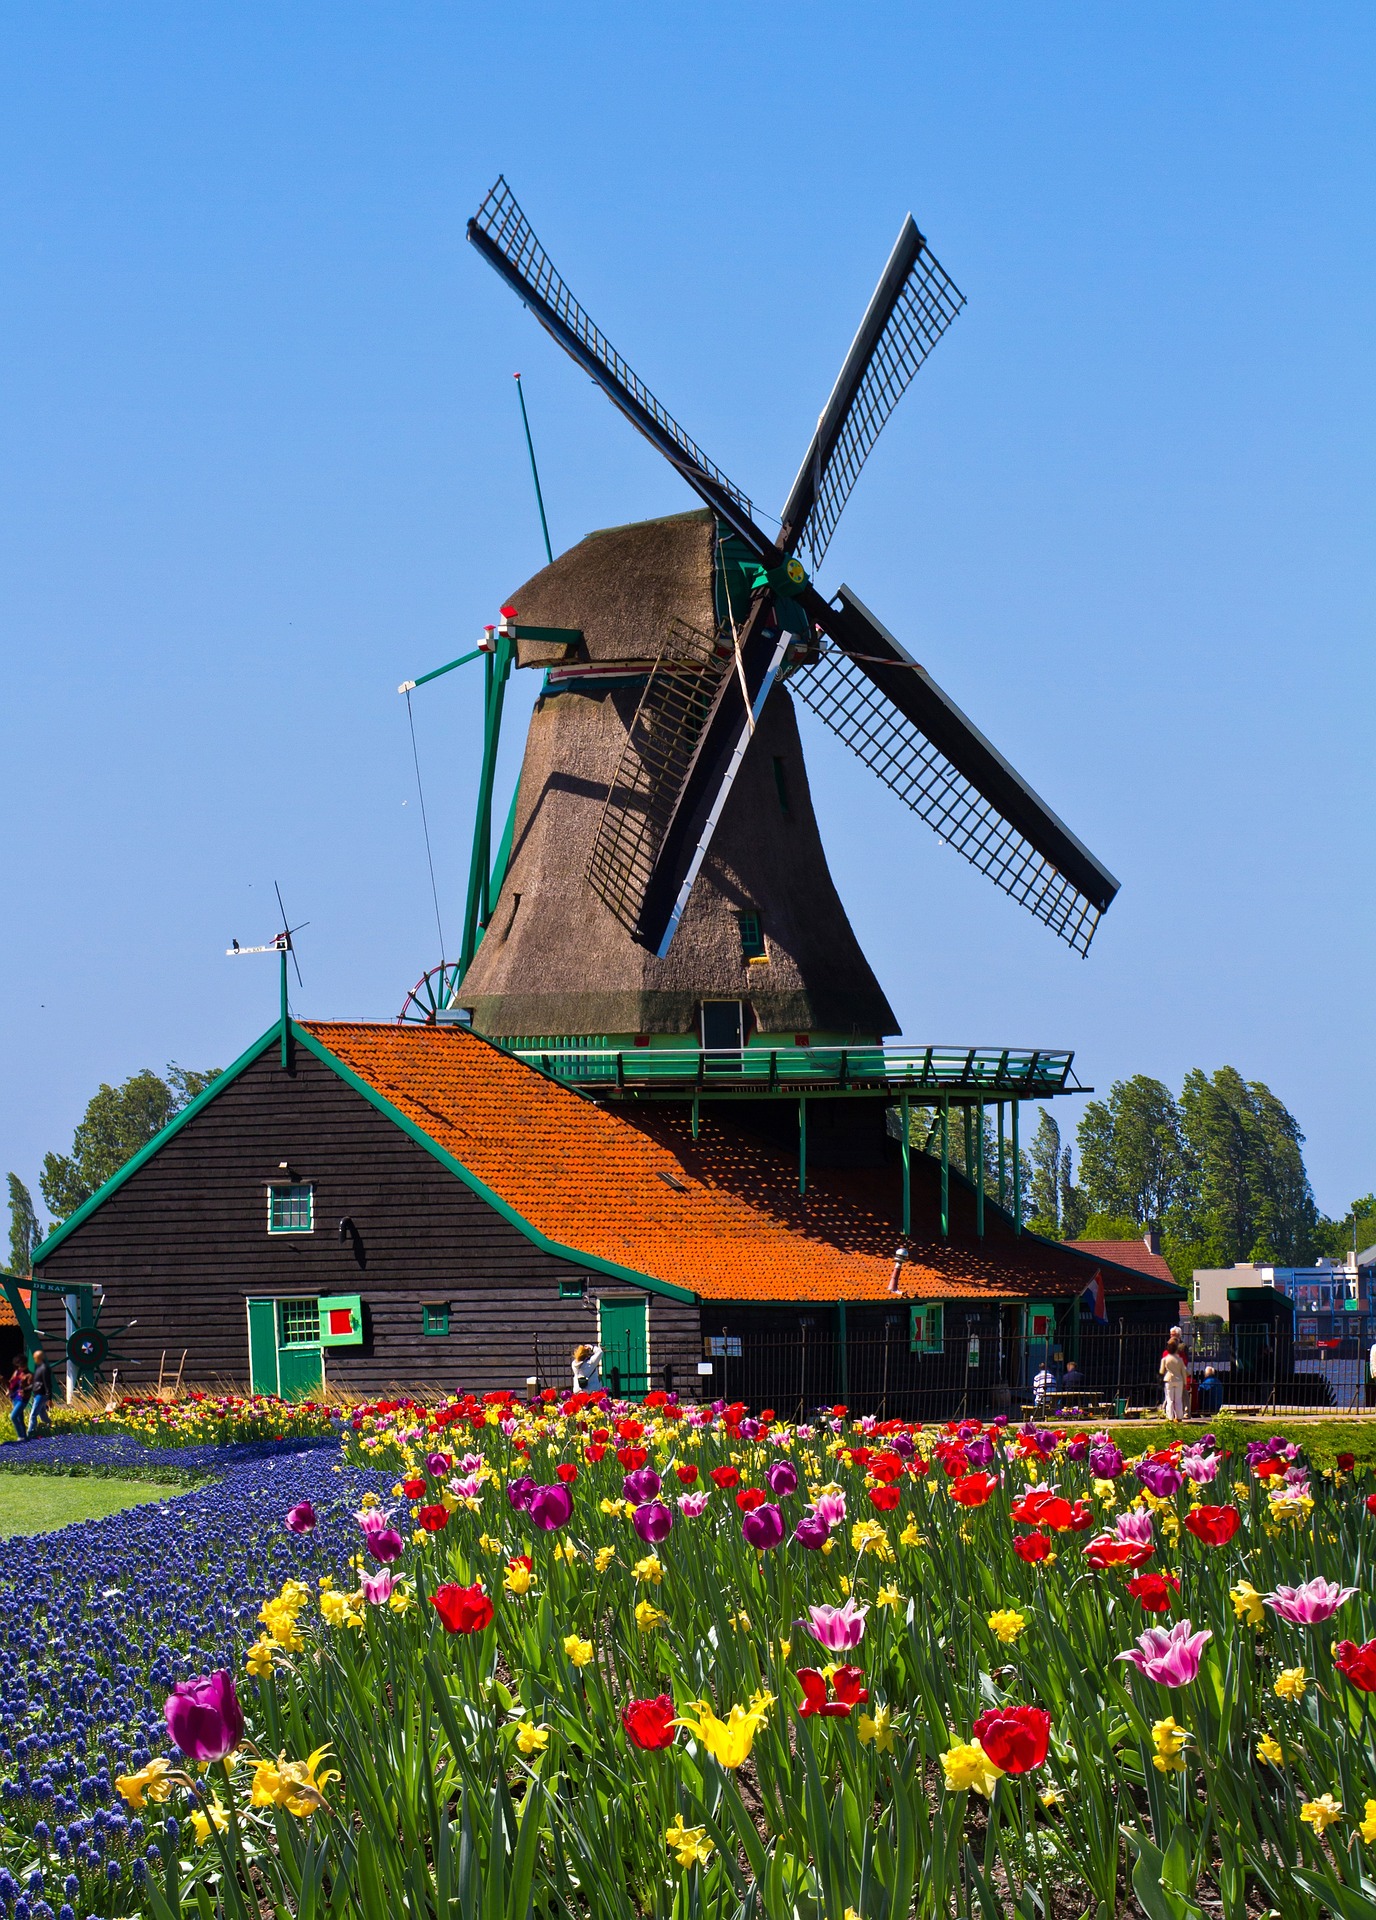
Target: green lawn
[{"x": 39, "y": 1502}]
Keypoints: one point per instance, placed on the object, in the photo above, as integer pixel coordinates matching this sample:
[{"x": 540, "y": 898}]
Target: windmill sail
[
  {"x": 888, "y": 710},
  {"x": 914, "y": 303}
]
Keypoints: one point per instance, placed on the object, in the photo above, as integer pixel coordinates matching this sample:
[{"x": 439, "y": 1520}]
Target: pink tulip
[
  {"x": 377, "y": 1587},
  {"x": 1305, "y": 1606},
  {"x": 204, "y": 1716},
  {"x": 692, "y": 1505},
  {"x": 1135, "y": 1525},
  {"x": 837, "y": 1628},
  {"x": 301, "y": 1518},
  {"x": 1173, "y": 1657}
]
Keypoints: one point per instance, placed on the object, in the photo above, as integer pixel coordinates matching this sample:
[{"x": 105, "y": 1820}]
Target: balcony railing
[{"x": 964, "y": 1074}]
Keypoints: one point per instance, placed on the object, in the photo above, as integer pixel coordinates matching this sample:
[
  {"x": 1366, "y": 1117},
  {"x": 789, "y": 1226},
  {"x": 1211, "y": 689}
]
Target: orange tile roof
[
  {"x": 720, "y": 1216},
  {"x": 7, "y": 1313},
  {"x": 1127, "y": 1253}
]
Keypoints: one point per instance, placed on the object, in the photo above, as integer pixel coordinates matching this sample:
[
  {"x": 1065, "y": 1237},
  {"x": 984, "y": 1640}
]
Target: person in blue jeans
[
  {"x": 42, "y": 1392},
  {"x": 18, "y": 1386}
]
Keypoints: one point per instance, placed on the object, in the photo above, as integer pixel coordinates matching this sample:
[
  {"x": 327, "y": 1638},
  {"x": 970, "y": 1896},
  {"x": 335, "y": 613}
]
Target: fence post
[
  {"x": 979, "y": 1169},
  {"x": 945, "y": 1165},
  {"x": 844, "y": 1395},
  {"x": 1017, "y": 1175}
]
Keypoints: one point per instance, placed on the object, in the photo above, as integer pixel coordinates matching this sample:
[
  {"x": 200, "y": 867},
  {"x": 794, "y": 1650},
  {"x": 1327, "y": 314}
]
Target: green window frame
[
  {"x": 752, "y": 936},
  {"x": 298, "y": 1322},
  {"x": 434, "y": 1317},
  {"x": 929, "y": 1327},
  {"x": 572, "y": 1289},
  {"x": 291, "y": 1209}
]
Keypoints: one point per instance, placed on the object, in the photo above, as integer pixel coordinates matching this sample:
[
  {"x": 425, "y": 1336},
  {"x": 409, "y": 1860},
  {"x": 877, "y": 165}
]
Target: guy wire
[{"x": 430, "y": 859}]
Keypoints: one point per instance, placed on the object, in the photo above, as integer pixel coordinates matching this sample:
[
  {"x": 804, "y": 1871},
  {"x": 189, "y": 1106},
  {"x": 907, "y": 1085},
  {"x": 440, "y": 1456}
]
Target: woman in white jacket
[{"x": 587, "y": 1369}]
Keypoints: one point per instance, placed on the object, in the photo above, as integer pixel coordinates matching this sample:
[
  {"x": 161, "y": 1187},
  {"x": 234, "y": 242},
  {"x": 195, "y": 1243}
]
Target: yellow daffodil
[
  {"x": 1290, "y": 1684},
  {"x": 531, "y": 1740},
  {"x": 258, "y": 1659},
  {"x": 728, "y": 1741},
  {"x": 877, "y": 1727},
  {"x": 579, "y": 1652},
  {"x": 517, "y": 1579},
  {"x": 214, "y": 1817},
  {"x": 647, "y": 1618},
  {"x": 967, "y": 1765},
  {"x": 689, "y": 1845},
  {"x": 1106, "y": 1493},
  {"x": 1168, "y": 1738},
  {"x": 342, "y": 1609},
  {"x": 888, "y": 1596},
  {"x": 1247, "y": 1604},
  {"x": 1368, "y": 1827},
  {"x": 1050, "y": 1798},
  {"x": 402, "y": 1598},
  {"x": 1007, "y": 1624},
  {"x": 651, "y": 1568},
  {"x": 867, "y": 1536},
  {"x": 603, "y": 1558},
  {"x": 1270, "y": 1750},
  {"x": 488, "y": 1544},
  {"x": 566, "y": 1551},
  {"x": 1320, "y": 1814},
  {"x": 785, "y": 1648},
  {"x": 910, "y": 1537},
  {"x": 149, "y": 1783},
  {"x": 297, "y": 1785}
]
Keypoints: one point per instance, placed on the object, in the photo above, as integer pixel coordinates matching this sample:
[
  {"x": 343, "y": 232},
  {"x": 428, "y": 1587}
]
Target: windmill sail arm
[{"x": 504, "y": 237}]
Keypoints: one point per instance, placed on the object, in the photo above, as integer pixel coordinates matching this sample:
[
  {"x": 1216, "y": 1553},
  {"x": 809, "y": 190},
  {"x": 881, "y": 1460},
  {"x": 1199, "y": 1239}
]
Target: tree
[
  {"x": 1356, "y": 1230},
  {"x": 1044, "y": 1187},
  {"x": 1248, "y": 1197},
  {"x": 1074, "y": 1212},
  {"x": 25, "y": 1232},
  {"x": 1132, "y": 1154},
  {"x": 117, "y": 1122}
]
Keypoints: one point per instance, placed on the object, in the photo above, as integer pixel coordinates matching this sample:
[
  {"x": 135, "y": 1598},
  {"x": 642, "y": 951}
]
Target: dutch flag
[{"x": 1094, "y": 1298}]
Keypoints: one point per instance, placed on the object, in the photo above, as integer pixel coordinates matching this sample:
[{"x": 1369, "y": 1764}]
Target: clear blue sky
[{"x": 260, "y": 461}]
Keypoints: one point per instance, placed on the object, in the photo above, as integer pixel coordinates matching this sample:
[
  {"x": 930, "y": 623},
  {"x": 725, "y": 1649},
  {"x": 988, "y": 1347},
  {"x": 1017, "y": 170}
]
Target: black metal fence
[{"x": 981, "y": 1374}]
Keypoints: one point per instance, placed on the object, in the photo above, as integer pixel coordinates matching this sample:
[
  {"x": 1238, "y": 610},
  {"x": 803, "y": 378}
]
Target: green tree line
[
  {"x": 116, "y": 1123},
  {"x": 1219, "y": 1170}
]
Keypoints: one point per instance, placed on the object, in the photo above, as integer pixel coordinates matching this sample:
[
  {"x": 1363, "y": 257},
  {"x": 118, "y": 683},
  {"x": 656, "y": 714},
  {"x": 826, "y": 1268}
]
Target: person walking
[
  {"x": 1173, "y": 1375},
  {"x": 42, "y": 1393},
  {"x": 587, "y": 1369},
  {"x": 19, "y": 1385}
]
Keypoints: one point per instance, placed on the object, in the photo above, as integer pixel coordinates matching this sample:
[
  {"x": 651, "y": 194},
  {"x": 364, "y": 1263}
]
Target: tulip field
[{"x": 646, "y": 1662}]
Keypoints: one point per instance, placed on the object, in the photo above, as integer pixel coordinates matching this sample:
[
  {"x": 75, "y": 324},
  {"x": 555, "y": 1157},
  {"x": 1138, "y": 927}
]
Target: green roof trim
[
  {"x": 494, "y": 1200},
  {"x": 159, "y": 1140}
]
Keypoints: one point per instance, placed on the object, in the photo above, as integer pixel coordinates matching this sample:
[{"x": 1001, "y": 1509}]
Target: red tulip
[
  {"x": 632, "y": 1457},
  {"x": 846, "y": 1685},
  {"x": 594, "y": 1452},
  {"x": 1015, "y": 1738},
  {"x": 567, "y": 1472},
  {"x": 1154, "y": 1590},
  {"x": 1213, "y": 1526},
  {"x": 649, "y": 1724},
  {"x": 1032, "y": 1547},
  {"x": 886, "y": 1467},
  {"x": 1346, "y": 1462},
  {"x": 1371, "y": 1503},
  {"x": 1357, "y": 1664},
  {"x": 751, "y": 1497},
  {"x": 433, "y": 1518},
  {"x": 726, "y": 1477},
  {"x": 414, "y": 1488},
  {"x": 1267, "y": 1469},
  {"x": 1107, "y": 1551},
  {"x": 687, "y": 1473},
  {"x": 1081, "y": 1516},
  {"x": 973, "y": 1489},
  {"x": 847, "y": 1692},
  {"x": 884, "y": 1498},
  {"x": 462, "y": 1609}
]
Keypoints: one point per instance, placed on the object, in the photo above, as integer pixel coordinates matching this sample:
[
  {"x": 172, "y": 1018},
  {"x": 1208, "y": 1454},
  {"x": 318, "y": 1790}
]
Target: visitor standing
[
  {"x": 42, "y": 1392},
  {"x": 1173, "y": 1375},
  {"x": 1043, "y": 1384},
  {"x": 587, "y": 1369},
  {"x": 20, "y": 1384}
]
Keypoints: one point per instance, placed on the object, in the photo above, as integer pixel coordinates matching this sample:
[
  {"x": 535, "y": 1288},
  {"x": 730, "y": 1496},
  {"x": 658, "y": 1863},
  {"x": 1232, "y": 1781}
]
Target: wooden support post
[
  {"x": 695, "y": 1113},
  {"x": 841, "y": 1352},
  {"x": 1017, "y": 1175},
  {"x": 969, "y": 1144},
  {"x": 945, "y": 1165},
  {"x": 1003, "y": 1170},
  {"x": 979, "y": 1170},
  {"x": 802, "y": 1143},
  {"x": 907, "y": 1166},
  {"x": 285, "y": 1015}
]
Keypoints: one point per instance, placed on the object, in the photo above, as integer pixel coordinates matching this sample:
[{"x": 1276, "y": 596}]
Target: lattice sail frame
[
  {"x": 502, "y": 221},
  {"x": 902, "y": 756},
  {"x": 928, "y": 303},
  {"x": 654, "y": 763}
]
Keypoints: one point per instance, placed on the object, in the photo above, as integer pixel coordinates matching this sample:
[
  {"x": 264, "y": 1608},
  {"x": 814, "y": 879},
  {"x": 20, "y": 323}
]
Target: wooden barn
[{"x": 410, "y": 1205}]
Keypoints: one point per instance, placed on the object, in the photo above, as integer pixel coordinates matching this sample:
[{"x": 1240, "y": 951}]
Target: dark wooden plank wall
[{"x": 184, "y": 1243}]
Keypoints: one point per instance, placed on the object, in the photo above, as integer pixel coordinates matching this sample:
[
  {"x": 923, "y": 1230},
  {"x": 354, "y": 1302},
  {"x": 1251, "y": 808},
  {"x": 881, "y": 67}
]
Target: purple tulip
[
  {"x": 652, "y": 1521},
  {"x": 384, "y": 1543},
  {"x": 550, "y": 1507},
  {"x": 1159, "y": 1477},
  {"x": 811, "y": 1532},
  {"x": 1105, "y": 1460},
  {"x": 763, "y": 1528},
  {"x": 1077, "y": 1447},
  {"x": 437, "y": 1465},
  {"x": 750, "y": 1428},
  {"x": 783, "y": 1478},
  {"x": 980, "y": 1452},
  {"x": 1170, "y": 1658},
  {"x": 640, "y": 1485},
  {"x": 301, "y": 1518},
  {"x": 519, "y": 1492},
  {"x": 204, "y": 1716},
  {"x": 902, "y": 1444}
]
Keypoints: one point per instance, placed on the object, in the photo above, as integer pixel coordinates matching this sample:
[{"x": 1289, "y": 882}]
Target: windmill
[{"x": 679, "y": 641}]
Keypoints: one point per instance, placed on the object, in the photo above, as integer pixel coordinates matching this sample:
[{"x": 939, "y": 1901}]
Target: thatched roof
[{"x": 555, "y": 961}]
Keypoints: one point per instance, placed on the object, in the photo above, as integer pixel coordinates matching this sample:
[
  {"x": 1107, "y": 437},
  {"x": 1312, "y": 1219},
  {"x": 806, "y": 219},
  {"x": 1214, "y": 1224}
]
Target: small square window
[
  {"x": 572, "y": 1289},
  {"x": 299, "y": 1322},
  {"x": 752, "y": 937},
  {"x": 434, "y": 1317},
  {"x": 929, "y": 1328},
  {"x": 291, "y": 1209}
]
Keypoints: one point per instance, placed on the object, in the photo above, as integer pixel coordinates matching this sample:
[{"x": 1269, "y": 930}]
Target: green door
[
  {"x": 625, "y": 1347},
  {"x": 262, "y": 1345},
  {"x": 299, "y": 1372}
]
